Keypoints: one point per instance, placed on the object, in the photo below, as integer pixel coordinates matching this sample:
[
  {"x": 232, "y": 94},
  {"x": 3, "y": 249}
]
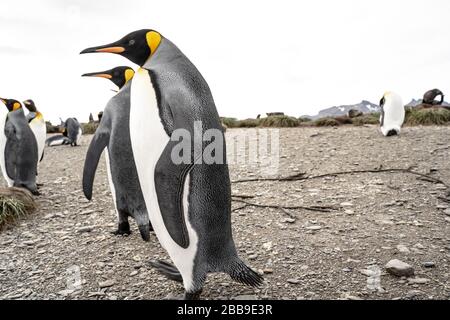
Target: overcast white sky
[{"x": 257, "y": 56}]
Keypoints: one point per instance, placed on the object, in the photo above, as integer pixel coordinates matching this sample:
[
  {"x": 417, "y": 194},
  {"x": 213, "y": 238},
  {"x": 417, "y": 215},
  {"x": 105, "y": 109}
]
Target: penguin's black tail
[{"x": 240, "y": 272}]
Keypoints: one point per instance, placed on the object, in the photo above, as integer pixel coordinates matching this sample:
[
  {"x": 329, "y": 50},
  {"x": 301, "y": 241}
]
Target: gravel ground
[{"x": 66, "y": 251}]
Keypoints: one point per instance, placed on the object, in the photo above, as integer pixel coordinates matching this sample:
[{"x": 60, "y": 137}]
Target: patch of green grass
[
  {"x": 326, "y": 122},
  {"x": 370, "y": 118},
  {"x": 14, "y": 204},
  {"x": 230, "y": 122},
  {"x": 279, "y": 122},
  {"x": 248, "y": 123},
  {"x": 89, "y": 128},
  {"x": 427, "y": 117},
  {"x": 304, "y": 119}
]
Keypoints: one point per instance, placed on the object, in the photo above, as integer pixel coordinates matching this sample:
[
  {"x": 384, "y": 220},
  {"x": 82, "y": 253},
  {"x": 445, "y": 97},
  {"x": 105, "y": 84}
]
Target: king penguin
[
  {"x": 392, "y": 114},
  {"x": 37, "y": 125},
  {"x": 19, "y": 157},
  {"x": 189, "y": 202},
  {"x": 113, "y": 134},
  {"x": 72, "y": 130}
]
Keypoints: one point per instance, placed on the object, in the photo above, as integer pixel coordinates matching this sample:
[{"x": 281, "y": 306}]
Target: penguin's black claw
[
  {"x": 167, "y": 269},
  {"x": 119, "y": 232}
]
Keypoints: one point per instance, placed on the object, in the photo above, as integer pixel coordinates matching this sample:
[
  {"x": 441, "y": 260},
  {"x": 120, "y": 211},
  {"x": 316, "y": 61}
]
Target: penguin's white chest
[
  {"x": 40, "y": 132},
  {"x": 394, "y": 116},
  {"x": 3, "y": 116},
  {"x": 148, "y": 140}
]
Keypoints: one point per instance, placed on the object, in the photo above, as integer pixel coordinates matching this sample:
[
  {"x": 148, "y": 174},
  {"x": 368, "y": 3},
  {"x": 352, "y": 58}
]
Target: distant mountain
[{"x": 364, "y": 106}]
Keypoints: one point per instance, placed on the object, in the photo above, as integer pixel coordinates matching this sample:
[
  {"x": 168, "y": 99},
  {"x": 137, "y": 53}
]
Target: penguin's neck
[{"x": 166, "y": 52}]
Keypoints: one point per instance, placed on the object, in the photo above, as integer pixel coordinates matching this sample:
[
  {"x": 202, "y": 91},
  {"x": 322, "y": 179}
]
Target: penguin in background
[
  {"x": 113, "y": 136},
  {"x": 19, "y": 150},
  {"x": 57, "y": 140},
  {"x": 72, "y": 130},
  {"x": 37, "y": 125},
  {"x": 392, "y": 114},
  {"x": 189, "y": 203}
]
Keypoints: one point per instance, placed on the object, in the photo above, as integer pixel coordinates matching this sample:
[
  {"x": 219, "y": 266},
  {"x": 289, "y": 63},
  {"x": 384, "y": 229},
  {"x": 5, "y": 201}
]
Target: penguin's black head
[
  {"x": 11, "y": 104},
  {"x": 119, "y": 76},
  {"x": 137, "y": 46},
  {"x": 29, "y": 104}
]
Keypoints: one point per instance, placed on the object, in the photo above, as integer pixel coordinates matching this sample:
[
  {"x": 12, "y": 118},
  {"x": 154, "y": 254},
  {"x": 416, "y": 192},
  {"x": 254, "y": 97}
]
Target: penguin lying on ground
[
  {"x": 19, "y": 150},
  {"x": 72, "y": 130},
  {"x": 57, "y": 140},
  {"x": 113, "y": 134},
  {"x": 37, "y": 125},
  {"x": 392, "y": 114},
  {"x": 189, "y": 202}
]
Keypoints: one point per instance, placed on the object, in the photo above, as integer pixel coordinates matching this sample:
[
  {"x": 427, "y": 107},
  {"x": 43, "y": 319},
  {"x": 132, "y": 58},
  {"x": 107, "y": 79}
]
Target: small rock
[
  {"x": 107, "y": 284},
  {"x": 293, "y": 281},
  {"x": 66, "y": 292},
  {"x": 447, "y": 211},
  {"x": 268, "y": 271},
  {"x": 399, "y": 268},
  {"x": 418, "y": 280},
  {"x": 288, "y": 220},
  {"x": 314, "y": 228},
  {"x": 403, "y": 249},
  {"x": 429, "y": 264},
  {"x": 346, "y": 204},
  {"x": 85, "y": 229},
  {"x": 413, "y": 293},
  {"x": 87, "y": 212}
]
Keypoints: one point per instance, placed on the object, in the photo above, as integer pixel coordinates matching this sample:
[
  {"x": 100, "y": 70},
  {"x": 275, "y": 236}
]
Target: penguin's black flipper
[
  {"x": 169, "y": 183},
  {"x": 167, "y": 269},
  {"x": 98, "y": 143}
]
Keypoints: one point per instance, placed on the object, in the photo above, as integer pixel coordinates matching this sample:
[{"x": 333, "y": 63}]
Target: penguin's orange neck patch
[
  {"x": 153, "y": 41},
  {"x": 39, "y": 116},
  {"x": 16, "y": 106}
]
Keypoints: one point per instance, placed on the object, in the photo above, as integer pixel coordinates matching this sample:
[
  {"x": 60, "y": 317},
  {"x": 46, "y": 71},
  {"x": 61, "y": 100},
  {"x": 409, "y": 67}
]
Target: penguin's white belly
[
  {"x": 110, "y": 180},
  {"x": 80, "y": 133},
  {"x": 148, "y": 140},
  {"x": 393, "y": 119},
  {"x": 3, "y": 116},
  {"x": 40, "y": 132}
]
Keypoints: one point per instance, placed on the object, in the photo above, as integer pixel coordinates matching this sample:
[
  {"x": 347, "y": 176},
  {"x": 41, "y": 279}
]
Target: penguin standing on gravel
[
  {"x": 113, "y": 134},
  {"x": 19, "y": 156},
  {"x": 72, "y": 130},
  {"x": 37, "y": 125},
  {"x": 189, "y": 201},
  {"x": 392, "y": 114}
]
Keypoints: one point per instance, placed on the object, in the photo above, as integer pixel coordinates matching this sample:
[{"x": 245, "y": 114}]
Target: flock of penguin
[{"x": 187, "y": 205}]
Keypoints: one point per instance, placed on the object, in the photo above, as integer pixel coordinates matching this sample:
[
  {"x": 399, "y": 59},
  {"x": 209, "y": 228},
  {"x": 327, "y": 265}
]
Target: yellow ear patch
[
  {"x": 16, "y": 106},
  {"x": 129, "y": 74},
  {"x": 153, "y": 41}
]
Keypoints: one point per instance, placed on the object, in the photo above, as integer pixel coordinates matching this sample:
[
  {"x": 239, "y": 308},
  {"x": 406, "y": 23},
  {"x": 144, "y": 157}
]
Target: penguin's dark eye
[{"x": 131, "y": 42}]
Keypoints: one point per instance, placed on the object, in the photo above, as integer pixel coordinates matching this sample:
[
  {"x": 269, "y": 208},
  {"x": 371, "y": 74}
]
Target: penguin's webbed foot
[
  {"x": 167, "y": 269},
  {"x": 123, "y": 229}
]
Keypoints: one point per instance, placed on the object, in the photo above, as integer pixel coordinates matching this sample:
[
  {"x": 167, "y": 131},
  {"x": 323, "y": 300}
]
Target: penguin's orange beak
[
  {"x": 98, "y": 75},
  {"x": 109, "y": 48}
]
